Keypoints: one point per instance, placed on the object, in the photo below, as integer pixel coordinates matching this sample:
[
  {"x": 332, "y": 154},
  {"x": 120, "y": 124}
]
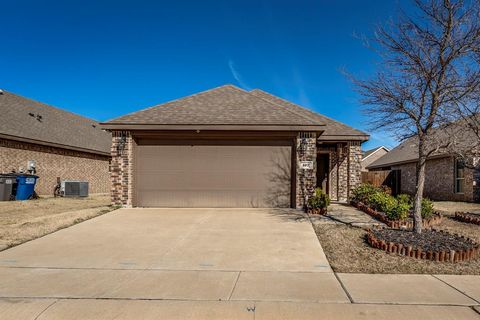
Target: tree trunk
[{"x": 417, "y": 207}]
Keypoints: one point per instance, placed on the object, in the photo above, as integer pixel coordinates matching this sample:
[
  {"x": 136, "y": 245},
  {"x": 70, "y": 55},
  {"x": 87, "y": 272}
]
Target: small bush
[
  {"x": 404, "y": 198},
  {"x": 384, "y": 202},
  {"x": 402, "y": 211},
  {"x": 320, "y": 200},
  {"x": 427, "y": 208},
  {"x": 363, "y": 192}
]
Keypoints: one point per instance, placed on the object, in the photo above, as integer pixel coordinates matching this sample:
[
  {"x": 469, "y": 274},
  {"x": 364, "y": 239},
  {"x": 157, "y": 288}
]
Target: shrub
[
  {"x": 402, "y": 211},
  {"x": 404, "y": 198},
  {"x": 320, "y": 200},
  {"x": 384, "y": 202},
  {"x": 427, "y": 208},
  {"x": 363, "y": 192}
]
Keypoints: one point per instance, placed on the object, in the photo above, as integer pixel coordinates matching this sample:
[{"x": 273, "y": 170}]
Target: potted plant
[{"x": 318, "y": 203}]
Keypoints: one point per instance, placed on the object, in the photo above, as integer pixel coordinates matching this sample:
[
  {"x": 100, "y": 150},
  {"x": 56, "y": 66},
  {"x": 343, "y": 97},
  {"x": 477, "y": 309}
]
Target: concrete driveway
[{"x": 195, "y": 263}]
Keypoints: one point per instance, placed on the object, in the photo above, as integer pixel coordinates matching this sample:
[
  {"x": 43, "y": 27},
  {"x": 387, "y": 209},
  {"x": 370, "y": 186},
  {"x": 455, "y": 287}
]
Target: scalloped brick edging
[
  {"x": 467, "y": 217},
  {"x": 317, "y": 211},
  {"x": 435, "y": 219},
  {"x": 409, "y": 251}
]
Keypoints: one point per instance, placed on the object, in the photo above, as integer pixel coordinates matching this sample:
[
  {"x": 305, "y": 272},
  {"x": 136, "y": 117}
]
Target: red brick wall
[
  {"x": 54, "y": 162},
  {"x": 439, "y": 181}
]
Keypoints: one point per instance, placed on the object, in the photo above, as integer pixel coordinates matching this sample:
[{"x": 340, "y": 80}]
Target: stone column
[
  {"x": 355, "y": 166},
  {"x": 121, "y": 168},
  {"x": 306, "y": 178},
  {"x": 343, "y": 171}
]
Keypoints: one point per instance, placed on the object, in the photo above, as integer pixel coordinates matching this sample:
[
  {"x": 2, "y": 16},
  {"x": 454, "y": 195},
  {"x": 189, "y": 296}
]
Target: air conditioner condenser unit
[{"x": 74, "y": 188}]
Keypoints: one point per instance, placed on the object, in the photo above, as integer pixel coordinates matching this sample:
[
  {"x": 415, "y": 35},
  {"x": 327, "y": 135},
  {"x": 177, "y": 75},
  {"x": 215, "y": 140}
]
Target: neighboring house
[
  {"x": 61, "y": 144},
  {"x": 372, "y": 155},
  {"x": 445, "y": 178},
  {"x": 227, "y": 147}
]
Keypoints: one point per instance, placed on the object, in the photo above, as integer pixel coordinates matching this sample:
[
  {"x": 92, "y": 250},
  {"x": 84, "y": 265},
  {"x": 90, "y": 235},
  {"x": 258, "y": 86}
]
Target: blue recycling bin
[{"x": 25, "y": 186}]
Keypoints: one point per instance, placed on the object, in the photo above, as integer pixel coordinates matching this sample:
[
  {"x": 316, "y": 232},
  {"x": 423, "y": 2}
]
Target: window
[{"x": 459, "y": 176}]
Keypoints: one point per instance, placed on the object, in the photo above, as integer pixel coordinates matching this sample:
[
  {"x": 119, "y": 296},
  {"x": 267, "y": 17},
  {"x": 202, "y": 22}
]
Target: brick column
[
  {"x": 342, "y": 172},
  {"x": 355, "y": 166},
  {"x": 121, "y": 169},
  {"x": 306, "y": 178}
]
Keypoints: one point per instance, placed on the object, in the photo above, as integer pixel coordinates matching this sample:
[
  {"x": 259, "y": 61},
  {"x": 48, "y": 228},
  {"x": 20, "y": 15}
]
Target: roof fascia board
[
  {"x": 51, "y": 144},
  {"x": 406, "y": 161},
  {"x": 110, "y": 126},
  {"x": 379, "y": 148}
]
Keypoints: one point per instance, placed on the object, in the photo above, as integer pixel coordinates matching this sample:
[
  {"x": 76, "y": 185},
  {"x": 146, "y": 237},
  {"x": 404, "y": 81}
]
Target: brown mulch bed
[
  {"x": 430, "y": 244},
  {"x": 348, "y": 252},
  {"x": 428, "y": 240}
]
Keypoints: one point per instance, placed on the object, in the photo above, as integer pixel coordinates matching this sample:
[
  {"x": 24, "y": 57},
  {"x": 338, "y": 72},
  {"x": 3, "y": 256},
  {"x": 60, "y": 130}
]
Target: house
[
  {"x": 372, "y": 155},
  {"x": 59, "y": 144},
  {"x": 227, "y": 147},
  {"x": 446, "y": 178}
]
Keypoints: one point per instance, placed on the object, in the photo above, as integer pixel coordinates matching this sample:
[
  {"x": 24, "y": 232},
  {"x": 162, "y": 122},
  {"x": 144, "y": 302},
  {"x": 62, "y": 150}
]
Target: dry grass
[
  {"x": 450, "y": 207},
  {"x": 348, "y": 252},
  {"x": 21, "y": 221}
]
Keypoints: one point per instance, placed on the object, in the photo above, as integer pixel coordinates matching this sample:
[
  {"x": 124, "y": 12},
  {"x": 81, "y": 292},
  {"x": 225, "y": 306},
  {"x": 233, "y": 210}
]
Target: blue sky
[{"x": 102, "y": 59}]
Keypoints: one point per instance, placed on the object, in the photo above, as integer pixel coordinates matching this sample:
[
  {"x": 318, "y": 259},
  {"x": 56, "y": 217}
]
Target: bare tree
[{"x": 429, "y": 63}]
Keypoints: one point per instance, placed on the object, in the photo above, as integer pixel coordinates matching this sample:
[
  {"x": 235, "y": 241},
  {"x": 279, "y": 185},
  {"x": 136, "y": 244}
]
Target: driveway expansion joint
[
  {"x": 344, "y": 288},
  {"x": 453, "y": 287},
  {"x": 234, "y": 286},
  {"x": 44, "y": 310}
]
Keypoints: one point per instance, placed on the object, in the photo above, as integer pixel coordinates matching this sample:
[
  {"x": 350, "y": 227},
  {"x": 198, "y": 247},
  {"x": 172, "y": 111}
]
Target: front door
[{"x": 322, "y": 172}]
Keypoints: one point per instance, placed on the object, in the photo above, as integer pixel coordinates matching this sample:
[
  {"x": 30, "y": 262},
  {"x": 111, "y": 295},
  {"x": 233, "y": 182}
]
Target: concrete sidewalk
[
  {"x": 209, "y": 264},
  {"x": 60, "y": 309}
]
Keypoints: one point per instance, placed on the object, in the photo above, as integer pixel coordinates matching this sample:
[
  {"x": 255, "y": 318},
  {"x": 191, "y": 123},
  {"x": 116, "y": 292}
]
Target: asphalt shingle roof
[
  {"x": 332, "y": 127},
  {"x": 225, "y": 105},
  {"x": 41, "y": 123},
  {"x": 369, "y": 152},
  {"x": 230, "y": 105}
]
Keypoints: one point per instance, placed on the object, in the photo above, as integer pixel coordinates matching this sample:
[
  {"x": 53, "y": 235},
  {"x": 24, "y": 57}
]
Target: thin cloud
[{"x": 237, "y": 76}]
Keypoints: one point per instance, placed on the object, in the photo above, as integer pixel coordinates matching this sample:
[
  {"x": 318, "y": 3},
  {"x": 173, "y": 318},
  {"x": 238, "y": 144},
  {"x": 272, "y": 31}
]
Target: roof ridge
[
  {"x": 304, "y": 108},
  {"x": 178, "y": 99}
]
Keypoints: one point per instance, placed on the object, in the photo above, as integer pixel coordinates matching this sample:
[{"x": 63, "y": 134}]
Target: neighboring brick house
[
  {"x": 372, "y": 155},
  {"x": 227, "y": 147},
  {"x": 61, "y": 144},
  {"x": 445, "y": 177}
]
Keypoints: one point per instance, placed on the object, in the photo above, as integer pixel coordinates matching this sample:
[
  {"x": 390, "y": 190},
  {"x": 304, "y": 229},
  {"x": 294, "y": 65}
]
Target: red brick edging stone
[
  {"x": 409, "y": 251},
  {"x": 468, "y": 217},
  {"x": 435, "y": 219},
  {"x": 317, "y": 211}
]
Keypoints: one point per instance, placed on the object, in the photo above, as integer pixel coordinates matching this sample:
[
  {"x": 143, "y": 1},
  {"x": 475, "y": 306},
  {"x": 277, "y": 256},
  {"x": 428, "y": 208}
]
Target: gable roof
[
  {"x": 333, "y": 129},
  {"x": 368, "y": 153},
  {"x": 403, "y": 153},
  {"x": 228, "y": 107},
  {"x": 31, "y": 121}
]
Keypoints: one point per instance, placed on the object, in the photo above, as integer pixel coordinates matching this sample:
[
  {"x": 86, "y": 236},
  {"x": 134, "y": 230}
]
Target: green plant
[
  {"x": 402, "y": 210},
  {"x": 427, "y": 208},
  {"x": 384, "y": 202},
  {"x": 404, "y": 198},
  {"x": 363, "y": 192},
  {"x": 320, "y": 200}
]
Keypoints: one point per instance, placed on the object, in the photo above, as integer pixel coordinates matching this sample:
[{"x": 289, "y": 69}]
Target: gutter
[
  {"x": 124, "y": 126},
  {"x": 406, "y": 161},
  {"x": 52, "y": 144}
]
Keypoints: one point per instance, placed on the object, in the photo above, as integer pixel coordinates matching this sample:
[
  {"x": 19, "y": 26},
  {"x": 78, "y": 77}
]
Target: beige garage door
[{"x": 212, "y": 176}]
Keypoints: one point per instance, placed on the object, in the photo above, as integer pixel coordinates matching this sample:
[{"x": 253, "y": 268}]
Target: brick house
[
  {"x": 446, "y": 178},
  {"x": 372, "y": 155},
  {"x": 61, "y": 144},
  {"x": 227, "y": 147}
]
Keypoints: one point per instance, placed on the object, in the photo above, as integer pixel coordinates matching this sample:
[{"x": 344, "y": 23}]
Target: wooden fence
[{"x": 389, "y": 178}]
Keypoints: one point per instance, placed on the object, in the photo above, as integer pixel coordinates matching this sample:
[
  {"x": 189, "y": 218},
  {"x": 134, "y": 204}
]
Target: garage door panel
[{"x": 213, "y": 176}]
